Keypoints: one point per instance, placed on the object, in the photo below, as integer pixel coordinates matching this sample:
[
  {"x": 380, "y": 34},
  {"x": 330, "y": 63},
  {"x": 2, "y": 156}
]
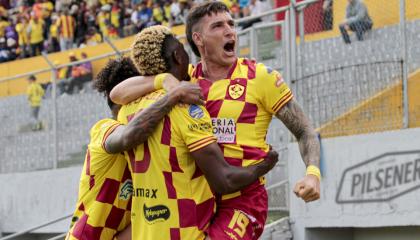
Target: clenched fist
[{"x": 308, "y": 188}]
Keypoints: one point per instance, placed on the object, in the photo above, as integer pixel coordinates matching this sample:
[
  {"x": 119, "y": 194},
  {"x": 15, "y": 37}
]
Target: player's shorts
[{"x": 242, "y": 217}]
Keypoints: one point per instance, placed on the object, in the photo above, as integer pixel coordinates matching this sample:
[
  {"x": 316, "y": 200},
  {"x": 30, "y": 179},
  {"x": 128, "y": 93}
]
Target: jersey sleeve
[
  {"x": 193, "y": 124},
  {"x": 99, "y": 133},
  {"x": 274, "y": 92}
]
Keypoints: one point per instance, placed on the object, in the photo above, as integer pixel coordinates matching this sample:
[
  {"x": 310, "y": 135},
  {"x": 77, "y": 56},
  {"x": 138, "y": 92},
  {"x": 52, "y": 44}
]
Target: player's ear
[{"x": 196, "y": 36}]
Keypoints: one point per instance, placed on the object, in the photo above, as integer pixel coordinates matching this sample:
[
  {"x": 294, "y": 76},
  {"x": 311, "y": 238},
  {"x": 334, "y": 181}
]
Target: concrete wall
[
  {"x": 33, "y": 198},
  {"x": 368, "y": 181}
]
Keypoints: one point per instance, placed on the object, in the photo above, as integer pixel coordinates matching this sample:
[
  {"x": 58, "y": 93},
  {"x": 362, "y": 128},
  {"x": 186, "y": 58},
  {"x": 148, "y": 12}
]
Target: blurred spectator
[
  {"x": 236, "y": 11},
  {"x": 255, "y": 7},
  {"x": 81, "y": 23},
  {"x": 127, "y": 11},
  {"x": 35, "y": 93},
  {"x": 5, "y": 53},
  {"x": 80, "y": 74},
  {"x": 22, "y": 31},
  {"x": 159, "y": 14},
  {"x": 117, "y": 17},
  {"x": 357, "y": 20},
  {"x": 243, "y": 5},
  {"x": 37, "y": 9},
  {"x": 47, "y": 9},
  {"x": 176, "y": 15},
  {"x": 3, "y": 24},
  {"x": 66, "y": 28},
  {"x": 53, "y": 40},
  {"x": 142, "y": 16},
  {"x": 36, "y": 35},
  {"x": 104, "y": 19},
  {"x": 112, "y": 32},
  {"x": 327, "y": 10},
  {"x": 65, "y": 24},
  {"x": 93, "y": 38}
]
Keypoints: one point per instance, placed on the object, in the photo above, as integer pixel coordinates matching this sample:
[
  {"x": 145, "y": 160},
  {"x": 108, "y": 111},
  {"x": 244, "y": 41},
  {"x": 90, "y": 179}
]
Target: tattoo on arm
[
  {"x": 141, "y": 126},
  {"x": 298, "y": 123}
]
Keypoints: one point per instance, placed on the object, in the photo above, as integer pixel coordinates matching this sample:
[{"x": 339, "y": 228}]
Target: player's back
[
  {"x": 171, "y": 197},
  {"x": 103, "y": 206}
]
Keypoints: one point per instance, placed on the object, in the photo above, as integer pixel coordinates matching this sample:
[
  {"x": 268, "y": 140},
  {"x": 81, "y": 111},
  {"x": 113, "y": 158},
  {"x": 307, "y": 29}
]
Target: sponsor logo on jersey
[
  {"x": 157, "y": 213},
  {"x": 224, "y": 129},
  {"x": 145, "y": 193},
  {"x": 196, "y": 112},
  {"x": 126, "y": 190},
  {"x": 236, "y": 91},
  {"x": 206, "y": 127}
]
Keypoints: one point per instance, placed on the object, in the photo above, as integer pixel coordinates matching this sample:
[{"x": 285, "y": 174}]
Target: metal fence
[{"x": 364, "y": 86}]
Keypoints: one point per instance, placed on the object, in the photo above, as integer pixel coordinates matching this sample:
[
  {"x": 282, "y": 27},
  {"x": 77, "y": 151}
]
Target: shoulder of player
[
  {"x": 102, "y": 125},
  {"x": 139, "y": 103},
  {"x": 189, "y": 111}
]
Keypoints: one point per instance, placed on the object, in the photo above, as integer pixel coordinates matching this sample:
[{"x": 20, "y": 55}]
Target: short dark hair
[
  {"x": 32, "y": 77},
  {"x": 115, "y": 71},
  {"x": 197, "y": 13}
]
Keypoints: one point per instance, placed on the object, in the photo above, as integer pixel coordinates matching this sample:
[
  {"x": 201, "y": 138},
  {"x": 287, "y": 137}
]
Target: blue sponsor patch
[
  {"x": 269, "y": 70},
  {"x": 195, "y": 112}
]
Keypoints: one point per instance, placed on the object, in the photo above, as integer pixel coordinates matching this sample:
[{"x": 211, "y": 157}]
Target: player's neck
[{"x": 213, "y": 71}]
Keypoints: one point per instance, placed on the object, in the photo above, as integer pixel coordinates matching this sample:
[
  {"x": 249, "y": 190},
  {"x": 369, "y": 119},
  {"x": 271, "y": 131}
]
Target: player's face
[{"x": 218, "y": 36}]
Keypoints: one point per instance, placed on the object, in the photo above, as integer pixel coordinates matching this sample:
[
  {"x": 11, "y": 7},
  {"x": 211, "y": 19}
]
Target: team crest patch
[
  {"x": 236, "y": 91},
  {"x": 196, "y": 112},
  {"x": 126, "y": 190}
]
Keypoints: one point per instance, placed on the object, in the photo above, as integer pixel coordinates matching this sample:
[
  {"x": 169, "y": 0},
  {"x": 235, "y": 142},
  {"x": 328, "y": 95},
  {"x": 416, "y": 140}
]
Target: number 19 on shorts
[{"x": 239, "y": 223}]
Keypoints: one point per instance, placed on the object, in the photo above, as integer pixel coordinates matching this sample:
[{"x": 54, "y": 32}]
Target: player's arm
[
  {"x": 224, "y": 178},
  {"x": 136, "y": 87},
  {"x": 144, "y": 123},
  {"x": 293, "y": 117}
]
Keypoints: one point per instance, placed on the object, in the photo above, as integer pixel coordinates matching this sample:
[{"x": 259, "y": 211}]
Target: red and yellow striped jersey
[
  {"x": 171, "y": 198},
  {"x": 241, "y": 107},
  {"x": 104, "y": 202},
  {"x": 67, "y": 26}
]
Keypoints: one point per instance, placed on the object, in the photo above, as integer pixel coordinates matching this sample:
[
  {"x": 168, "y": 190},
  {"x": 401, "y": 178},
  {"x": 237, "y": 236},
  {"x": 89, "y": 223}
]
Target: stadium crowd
[{"x": 29, "y": 27}]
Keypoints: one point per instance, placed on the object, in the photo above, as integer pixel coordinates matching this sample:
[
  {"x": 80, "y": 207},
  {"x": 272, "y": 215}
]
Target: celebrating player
[
  {"x": 176, "y": 169},
  {"x": 104, "y": 202},
  {"x": 241, "y": 97}
]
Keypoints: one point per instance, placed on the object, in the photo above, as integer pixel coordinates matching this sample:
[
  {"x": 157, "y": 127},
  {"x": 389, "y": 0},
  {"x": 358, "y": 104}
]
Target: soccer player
[
  {"x": 241, "y": 97},
  {"x": 176, "y": 169},
  {"x": 104, "y": 201}
]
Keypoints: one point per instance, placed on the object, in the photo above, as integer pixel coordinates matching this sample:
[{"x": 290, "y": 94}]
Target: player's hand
[
  {"x": 271, "y": 159},
  {"x": 189, "y": 93},
  {"x": 308, "y": 188}
]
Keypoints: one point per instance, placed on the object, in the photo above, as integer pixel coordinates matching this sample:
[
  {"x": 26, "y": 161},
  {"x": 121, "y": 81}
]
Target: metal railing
[
  {"x": 29, "y": 230},
  {"x": 386, "y": 50}
]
